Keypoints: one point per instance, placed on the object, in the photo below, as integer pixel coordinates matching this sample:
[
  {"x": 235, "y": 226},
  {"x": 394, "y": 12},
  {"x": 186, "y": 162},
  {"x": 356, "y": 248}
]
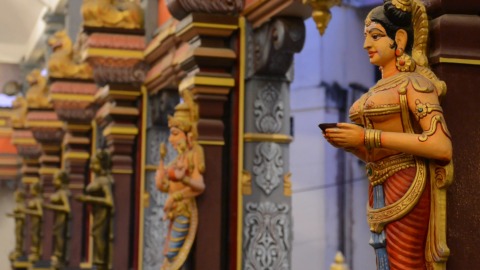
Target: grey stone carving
[
  {"x": 268, "y": 166},
  {"x": 155, "y": 229},
  {"x": 267, "y": 236},
  {"x": 268, "y": 110}
]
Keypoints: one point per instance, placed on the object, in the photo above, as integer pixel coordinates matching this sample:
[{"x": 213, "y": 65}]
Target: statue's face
[
  {"x": 378, "y": 45},
  {"x": 177, "y": 136},
  {"x": 95, "y": 165}
]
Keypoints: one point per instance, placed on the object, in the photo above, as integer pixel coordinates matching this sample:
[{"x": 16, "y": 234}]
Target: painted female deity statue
[
  {"x": 99, "y": 195},
  {"x": 404, "y": 140},
  {"x": 19, "y": 215},
  {"x": 183, "y": 181},
  {"x": 35, "y": 210},
  {"x": 60, "y": 204}
]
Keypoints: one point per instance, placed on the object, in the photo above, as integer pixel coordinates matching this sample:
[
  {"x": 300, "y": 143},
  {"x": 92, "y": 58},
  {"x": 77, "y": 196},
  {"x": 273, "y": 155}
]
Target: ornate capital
[
  {"x": 181, "y": 8},
  {"x": 274, "y": 44}
]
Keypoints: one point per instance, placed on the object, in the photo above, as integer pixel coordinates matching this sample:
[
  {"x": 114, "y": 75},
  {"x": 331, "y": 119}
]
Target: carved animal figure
[
  {"x": 110, "y": 13},
  {"x": 61, "y": 63},
  {"x": 37, "y": 94}
]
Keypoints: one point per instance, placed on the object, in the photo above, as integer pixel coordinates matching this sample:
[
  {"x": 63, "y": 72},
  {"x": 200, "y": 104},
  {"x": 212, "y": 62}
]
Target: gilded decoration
[
  {"x": 37, "y": 93},
  {"x": 321, "y": 12},
  {"x": 99, "y": 194},
  {"x": 34, "y": 209},
  {"x": 246, "y": 183},
  {"x": 112, "y": 14},
  {"x": 268, "y": 166},
  {"x": 62, "y": 63},
  {"x": 269, "y": 110},
  {"x": 18, "y": 214},
  {"x": 183, "y": 180},
  {"x": 20, "y": 109},
  {"x": 59, "y": 203},
  {"x": 267, "y": 236}
]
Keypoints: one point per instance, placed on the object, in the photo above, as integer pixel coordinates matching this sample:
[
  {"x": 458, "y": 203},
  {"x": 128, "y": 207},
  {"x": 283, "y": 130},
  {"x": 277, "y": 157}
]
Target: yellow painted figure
[
  {"x": 60, "y": 204},
  {"x": 183, "y": 181},
  {"x": 111, "y": 13},
  {"x": 35, "y": 210},
  {"x": 19, "y": 216},
  {"x": 401, "y": 133},
  {"x": 99, "y": 195},
  {"x": 62, "y": 63}
]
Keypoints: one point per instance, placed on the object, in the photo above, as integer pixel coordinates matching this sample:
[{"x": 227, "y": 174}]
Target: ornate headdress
[{"x": 181, "y": 118}]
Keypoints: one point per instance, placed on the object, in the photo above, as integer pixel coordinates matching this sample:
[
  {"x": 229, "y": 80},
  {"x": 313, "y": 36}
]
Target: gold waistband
[{"x": 381, "y": 170}]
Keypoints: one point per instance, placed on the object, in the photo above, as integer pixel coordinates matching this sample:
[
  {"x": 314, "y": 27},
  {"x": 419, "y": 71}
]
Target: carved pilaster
[
  {"x": 208, "y": 62},
  {"x": 266, "y": 209},
  {"x": 116, "y": 55}
]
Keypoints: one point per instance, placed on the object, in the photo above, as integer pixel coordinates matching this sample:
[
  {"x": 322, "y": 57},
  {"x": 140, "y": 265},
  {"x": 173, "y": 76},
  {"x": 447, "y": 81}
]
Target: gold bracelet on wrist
[
  {"x": 373, "y": 138},
  {"x": 186, "y": 180}
]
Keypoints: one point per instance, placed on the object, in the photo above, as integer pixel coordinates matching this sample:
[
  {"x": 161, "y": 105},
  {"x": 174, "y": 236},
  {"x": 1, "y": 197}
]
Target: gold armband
[
  {"x": 178, "y": 196},
  {"x": 186, "y": 180},
  {"x": 373, "y": 138}
]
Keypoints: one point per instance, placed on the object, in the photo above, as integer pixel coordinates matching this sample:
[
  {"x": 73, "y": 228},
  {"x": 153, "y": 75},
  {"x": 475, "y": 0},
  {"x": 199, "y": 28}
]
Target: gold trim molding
[
  {"x": 262, "y": 137},
  {"x": 459, "y": 61},
  {"x": 215, "y": 143}
]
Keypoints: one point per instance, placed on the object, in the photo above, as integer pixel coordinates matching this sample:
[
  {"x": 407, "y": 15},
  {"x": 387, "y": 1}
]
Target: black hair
[{"x": 394, "y": 19}]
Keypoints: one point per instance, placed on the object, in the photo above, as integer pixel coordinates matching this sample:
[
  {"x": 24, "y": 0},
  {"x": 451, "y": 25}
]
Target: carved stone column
[
  {"x": 266, "y": 187},
  {"x": 115, "y": 51},
  {"x": 458, "y": 64}
]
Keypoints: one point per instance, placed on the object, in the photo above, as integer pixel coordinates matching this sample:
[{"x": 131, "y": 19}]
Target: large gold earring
[{"x": 404, "y": 62}]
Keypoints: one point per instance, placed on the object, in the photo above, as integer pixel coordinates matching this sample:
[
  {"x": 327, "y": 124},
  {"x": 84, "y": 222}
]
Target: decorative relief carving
[
  {"x": 268, "y": 166},
  {"x": 267, "y": 236},
  {"x": 181, "y": 8},
  {"x": 116, "y": 14},
  {"x": 155, "y": 228},
  {"x": 287, "y": 184},
  {"x": 268, "y": 110},
  {"x": 61, "y": 63}
]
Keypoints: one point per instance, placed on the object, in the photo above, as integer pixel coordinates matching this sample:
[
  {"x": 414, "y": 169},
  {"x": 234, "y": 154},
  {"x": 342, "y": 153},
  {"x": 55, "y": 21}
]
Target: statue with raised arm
[
  {"x": 19, "y": 215},
  {"x": 182, "y": 179},
  {"x": 35, "y": 210},
  {"x": 60, "y": 204},
  {"x": 400, "y": 132},
  {"x": 99, "y": 195}
]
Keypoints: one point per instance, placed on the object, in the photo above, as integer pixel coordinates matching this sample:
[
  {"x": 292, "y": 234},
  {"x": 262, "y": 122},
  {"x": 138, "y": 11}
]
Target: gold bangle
[
  {"x": 186, "y": 180},
  {"x": 373, "y": 138}
]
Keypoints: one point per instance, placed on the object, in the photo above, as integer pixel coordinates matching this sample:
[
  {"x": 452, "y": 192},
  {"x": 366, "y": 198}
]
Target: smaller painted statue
[
  {"x": 99, "y": 195},
  {"x": 19, "y": 215},
  {"x": 60, "y": 204},
  {"x": 112, "y": 14},
  {"x": 61, "y": 63},
  {"x": 183, "y": 180},
  {"x": 35, "y": 210}
]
